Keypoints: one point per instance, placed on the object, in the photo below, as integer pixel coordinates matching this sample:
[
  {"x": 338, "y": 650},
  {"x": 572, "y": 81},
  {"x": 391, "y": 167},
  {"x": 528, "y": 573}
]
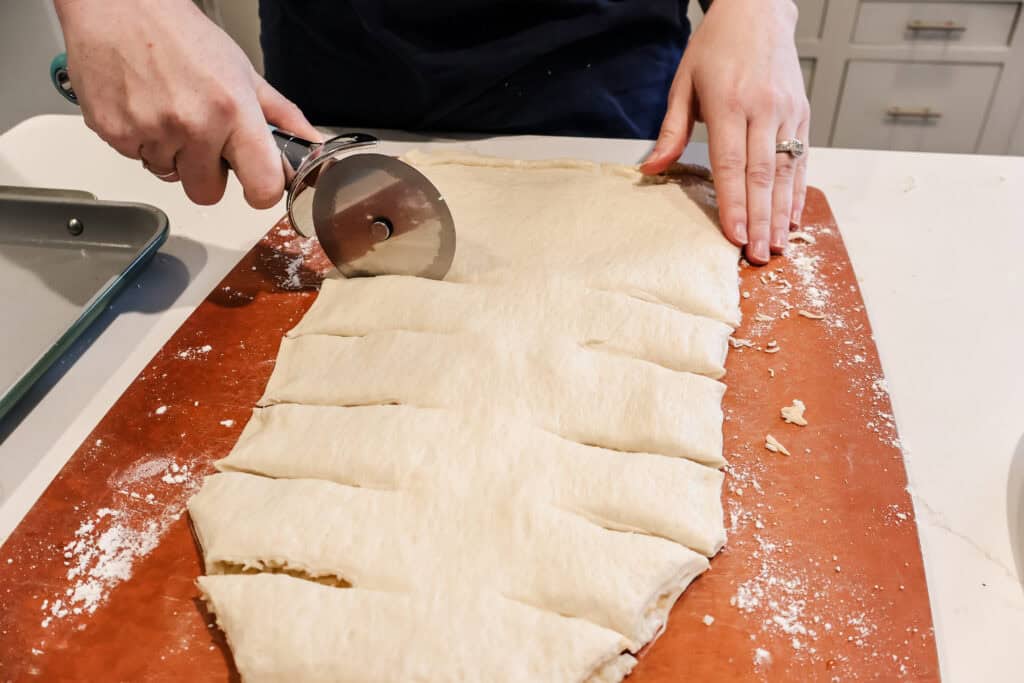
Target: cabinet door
[
  {"x": 914, "y": 106},
  {"x": 1017, "y": 143},
  {"x": 812, "y": 14},
  {"x": 807, "y": 65}
]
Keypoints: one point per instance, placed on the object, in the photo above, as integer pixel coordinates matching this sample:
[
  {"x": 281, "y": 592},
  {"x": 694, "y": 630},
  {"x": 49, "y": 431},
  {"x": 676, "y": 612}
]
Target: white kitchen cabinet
[
  {"x": 917, "y": 75},
  {"x": 919, "y": 106}
]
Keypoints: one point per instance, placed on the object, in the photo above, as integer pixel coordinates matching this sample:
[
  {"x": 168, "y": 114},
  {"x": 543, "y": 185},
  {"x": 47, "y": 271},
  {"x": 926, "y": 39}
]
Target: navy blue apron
[{"x": 563, "y": 67}]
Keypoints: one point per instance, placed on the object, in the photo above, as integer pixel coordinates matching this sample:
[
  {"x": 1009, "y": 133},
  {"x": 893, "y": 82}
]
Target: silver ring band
[
  {"x": 792, "y": 147},
  {"x": 173, "y": 173},
  {"x": 164, "y": 176}
]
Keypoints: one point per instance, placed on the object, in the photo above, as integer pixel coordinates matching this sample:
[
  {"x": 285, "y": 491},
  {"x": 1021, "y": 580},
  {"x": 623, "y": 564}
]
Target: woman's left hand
[{"x": 741, "y": 75}]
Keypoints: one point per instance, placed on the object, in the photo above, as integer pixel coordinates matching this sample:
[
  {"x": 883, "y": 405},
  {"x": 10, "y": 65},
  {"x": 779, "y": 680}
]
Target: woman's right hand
[{"x": 160, "y": 82}]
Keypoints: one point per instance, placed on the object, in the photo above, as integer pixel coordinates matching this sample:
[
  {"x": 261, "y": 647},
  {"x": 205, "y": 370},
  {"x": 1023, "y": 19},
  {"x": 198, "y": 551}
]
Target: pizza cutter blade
[{"x": 375, "y": 215}]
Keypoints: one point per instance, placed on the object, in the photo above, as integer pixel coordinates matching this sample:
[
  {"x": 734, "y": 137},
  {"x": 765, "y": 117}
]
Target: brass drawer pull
[
  {"x": 924, "y": 113},
  {"x": 944, "y": 26}
]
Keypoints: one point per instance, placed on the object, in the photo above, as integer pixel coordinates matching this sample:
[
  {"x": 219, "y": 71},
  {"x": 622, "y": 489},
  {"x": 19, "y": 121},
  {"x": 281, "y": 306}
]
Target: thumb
[
  {"x": 278, "y": 110},
  {"x": 676, "y": 128}
]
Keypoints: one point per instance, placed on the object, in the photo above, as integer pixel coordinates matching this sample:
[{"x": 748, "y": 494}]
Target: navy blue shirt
[{"x": 563, "y": 67}]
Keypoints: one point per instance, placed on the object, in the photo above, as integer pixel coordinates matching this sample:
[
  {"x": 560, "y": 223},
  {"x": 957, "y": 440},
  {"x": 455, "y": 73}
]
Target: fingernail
[
  {"x": 739, "y": 231},
  {"x": 794, "y": 221},
  {"x": 759, "y": 248}
]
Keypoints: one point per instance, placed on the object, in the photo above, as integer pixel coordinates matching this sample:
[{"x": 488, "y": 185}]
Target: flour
[
  {"x": 177, "y": 474},
  {"x": 227, "y": 423},
  {"x": 195, "y": 352},
  {"x": 100, "y": 556},
  {"x": 295, "y": 264},
  {"x": 109, "y": 541},
  {"x": 144, "y": 469},
  {"x": 160, "y": 411}
]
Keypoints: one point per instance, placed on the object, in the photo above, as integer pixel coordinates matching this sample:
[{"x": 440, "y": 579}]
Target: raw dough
[
  {"x": 548, "y": 307},
  {"x": 581, "y": 394},
  {"x": 476, "y": 469},
  {"x": 607, "y": 225},
  {"x": 287, "y": 630},
  {"x": 517, "y": 545},
  {"x": 440, "y": 449}
]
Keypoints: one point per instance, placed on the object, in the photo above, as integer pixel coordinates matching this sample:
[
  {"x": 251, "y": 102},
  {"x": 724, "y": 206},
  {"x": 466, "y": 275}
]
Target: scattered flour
[
  {"x": 160, "y": 411},
  {"x": 144, "y": 469},
  {"x": 227, "y": 423},
  {"x": 194, "y": 352},
  {"x": 109, "y": 541},
  {"x": 100, "y": 556},
  {"x": 177, "y": 474}
]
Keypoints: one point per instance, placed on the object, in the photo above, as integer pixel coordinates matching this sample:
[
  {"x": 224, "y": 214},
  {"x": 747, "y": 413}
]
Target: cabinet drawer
[
  {"x": 914, "y": 106},
  {"x": 944, "y": 23},
  {"x": 811, "y": 13}
]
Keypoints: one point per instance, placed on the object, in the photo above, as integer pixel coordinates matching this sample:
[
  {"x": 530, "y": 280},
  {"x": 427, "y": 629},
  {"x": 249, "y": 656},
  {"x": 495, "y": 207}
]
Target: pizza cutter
[{"x": 373, "y": 214}]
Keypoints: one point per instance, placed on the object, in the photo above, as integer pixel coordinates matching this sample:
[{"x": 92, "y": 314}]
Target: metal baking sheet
[{"x": 63, "y": 256}]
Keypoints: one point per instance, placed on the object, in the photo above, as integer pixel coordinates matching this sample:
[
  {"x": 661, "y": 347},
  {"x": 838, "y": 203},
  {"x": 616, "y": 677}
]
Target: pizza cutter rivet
[
  {"x": 380, "y": 229},
  {"x": 75, "y": 226}
]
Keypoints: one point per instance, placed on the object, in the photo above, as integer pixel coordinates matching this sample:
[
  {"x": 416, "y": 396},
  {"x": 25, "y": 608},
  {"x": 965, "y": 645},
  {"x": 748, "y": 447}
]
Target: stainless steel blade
[{"x": 376, "y": 215}]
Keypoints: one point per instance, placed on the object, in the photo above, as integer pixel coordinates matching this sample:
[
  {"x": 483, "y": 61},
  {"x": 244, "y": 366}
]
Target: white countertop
[{"x": 937, "y": 243}]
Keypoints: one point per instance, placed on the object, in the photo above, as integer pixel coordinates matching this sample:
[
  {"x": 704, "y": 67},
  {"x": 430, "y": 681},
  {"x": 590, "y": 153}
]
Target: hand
[
  {"x": 160, "y": 82},
  {"x": 741, "y": 75}
]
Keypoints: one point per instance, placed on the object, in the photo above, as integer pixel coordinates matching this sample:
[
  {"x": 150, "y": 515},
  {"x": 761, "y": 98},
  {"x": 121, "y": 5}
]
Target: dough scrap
[
  {"x": 581, "y": 394},
  {"x": 607, "y": 225},
  {"x": 772, "y": 444},
  {"x": 283, "y": 630},
  {"x": 548, "y": 307},
  {"x": 443, "y": 450},
  {"x": 514, "y": 545},
  {"x": 794, "y": 414}
]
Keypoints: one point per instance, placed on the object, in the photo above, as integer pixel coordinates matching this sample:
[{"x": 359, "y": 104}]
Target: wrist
[{"x": 785, "y": 11}]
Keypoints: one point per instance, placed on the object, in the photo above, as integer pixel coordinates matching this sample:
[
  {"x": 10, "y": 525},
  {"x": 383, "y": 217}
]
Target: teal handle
[{"x": 60, "y": 78}]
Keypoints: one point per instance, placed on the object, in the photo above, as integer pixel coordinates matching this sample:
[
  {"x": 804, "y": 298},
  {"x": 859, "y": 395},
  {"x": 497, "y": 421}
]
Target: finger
[
  {"x": 202, "y": 170},
  {"x": 159, "y": 159},
  {"x": 759, "y": 181},
  {"x": 676, "y": 128},
  {"x": 782, "y": 192},
  {"x": 256, "y": 162},
  {"x": 727, "y": 134},
  {"x": 282, "y": 112},
  {"x": 800, "y": 176}
]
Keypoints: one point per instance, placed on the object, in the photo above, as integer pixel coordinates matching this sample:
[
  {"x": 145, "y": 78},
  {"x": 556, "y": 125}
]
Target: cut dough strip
[
  {"x": 405, "y": 447},
  {"x": 544, "y": 307},
  {"x": 581, "y": 394},
  {"x": 282, "y": 630},
  {"x": 609, "y": 226},
  {"x": 418, "y": 540}
]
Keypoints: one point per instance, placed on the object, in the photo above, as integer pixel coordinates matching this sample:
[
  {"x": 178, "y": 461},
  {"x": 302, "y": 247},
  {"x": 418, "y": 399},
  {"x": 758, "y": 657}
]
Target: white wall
[{"x": 29, "y": 38}]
